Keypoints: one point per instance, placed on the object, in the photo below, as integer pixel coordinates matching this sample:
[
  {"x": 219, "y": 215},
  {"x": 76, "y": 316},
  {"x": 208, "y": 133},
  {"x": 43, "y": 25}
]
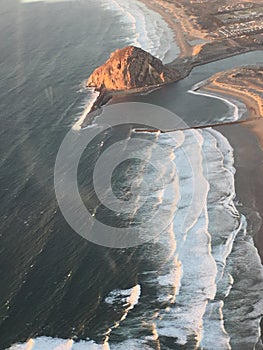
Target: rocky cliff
[{"x": 131, "y": 68}]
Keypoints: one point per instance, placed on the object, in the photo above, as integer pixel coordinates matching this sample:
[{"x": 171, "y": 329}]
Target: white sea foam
[
  {"x": 47, "y": 343},
  {"x": 188, "y": 270},
  {"x": 193, "y": 277},
  {"x": 192, "y": 255},
  {"x": 219, "y": 161},
  {"x": 93, "y": 95},
  {"x": 128, "y": 297},
  {"x": 194, "y": 264},
  {"x": 236, "y": 108},
  {"x": 148, "y": 29}
]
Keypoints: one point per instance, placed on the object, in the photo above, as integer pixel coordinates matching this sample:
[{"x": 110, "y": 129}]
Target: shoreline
[
  {"x": 185, "y": 63},
  {"x": 144, "y": 20},
  {"x": 239, "y": 108},
  {"x": 251, "y": 104},
  {"x": 248, "y": 159},
  {"x": 244, "y": 138},
  {"x": 175, "y": 26},
  {"x": 184, "y": 68},
  {"x": 251, "y": 107},
  {"x": 190, "y": 56}
]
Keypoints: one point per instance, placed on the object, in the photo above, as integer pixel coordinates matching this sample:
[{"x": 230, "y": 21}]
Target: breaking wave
[{"x": 203, "y": 263}]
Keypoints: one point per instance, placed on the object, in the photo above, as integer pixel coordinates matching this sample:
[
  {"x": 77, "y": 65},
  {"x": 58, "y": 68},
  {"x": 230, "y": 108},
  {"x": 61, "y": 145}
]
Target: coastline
[
  {"x": 193, "y": 56},
  {"x": 248, "y": 156},
  {"x": 184, "y": 67},
  {"x": 246, "y": 138},
  {"x": 239, "y": 108},
  {"x": 150, "y": 30},
  {"x": 175, "y": 25},
  {"x": 256, "y": 179},
  {"x": 190, "y": 56},
  {"x": 251, "y": 103},
  {"x": 247, "y": 141},
  {"x": 249, "y": 128}
]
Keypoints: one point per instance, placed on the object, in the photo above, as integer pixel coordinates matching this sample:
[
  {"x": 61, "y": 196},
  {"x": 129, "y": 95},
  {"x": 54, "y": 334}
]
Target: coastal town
[
  {"x": 131, "y": 175},
  {"x": 204, "y": 31},
  {"x": 214, "y": 20},
  {"x": 229, "y": 28},
  {"x": 210, "y": 30}
]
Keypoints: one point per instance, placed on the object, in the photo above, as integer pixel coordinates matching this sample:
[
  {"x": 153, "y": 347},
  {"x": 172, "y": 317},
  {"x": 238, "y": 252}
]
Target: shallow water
[{"x": 199, "y": 109}]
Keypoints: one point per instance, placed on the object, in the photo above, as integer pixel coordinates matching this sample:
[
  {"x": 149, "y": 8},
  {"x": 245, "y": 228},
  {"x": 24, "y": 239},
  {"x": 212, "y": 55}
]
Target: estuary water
[{"x": 198, "y": 284}]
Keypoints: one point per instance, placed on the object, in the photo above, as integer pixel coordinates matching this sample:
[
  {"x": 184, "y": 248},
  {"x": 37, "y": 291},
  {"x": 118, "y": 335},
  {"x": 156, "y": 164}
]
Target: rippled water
[{"x": 196, "y": 285}]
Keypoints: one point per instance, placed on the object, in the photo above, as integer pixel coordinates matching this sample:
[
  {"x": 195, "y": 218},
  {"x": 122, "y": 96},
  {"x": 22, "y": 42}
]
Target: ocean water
[{"x": 197, "y": 285}]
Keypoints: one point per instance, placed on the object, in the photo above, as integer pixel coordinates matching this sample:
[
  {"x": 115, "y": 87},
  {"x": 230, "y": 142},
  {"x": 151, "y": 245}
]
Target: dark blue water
[
  {"x": 54, "y": 283},
  {"x": 46, "y": 51}
]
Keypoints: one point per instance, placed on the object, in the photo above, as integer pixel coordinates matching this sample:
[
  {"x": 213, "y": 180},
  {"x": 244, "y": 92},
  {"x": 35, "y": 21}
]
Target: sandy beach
[
  {"x": 255, "y": 173},
  {"x": 242, "y": 83},
  {"x": 246, "y": 138},
  {"x": 197, "y": 45},
  {"x": 197, "y": 48},
  {"x": 166, "y": 10},
  {"x": 252, "y": 102},
  {"x": 198, "y": 42},
  {"x": 199, "y": 283}
]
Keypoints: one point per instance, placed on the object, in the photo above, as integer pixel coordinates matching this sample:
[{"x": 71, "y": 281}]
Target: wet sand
[
  {"x": 247, "y": 141},
  {"x": 166, "y": 10},
  {"x": 245, "y": 137},
  {"x": 253, "y": 103}
]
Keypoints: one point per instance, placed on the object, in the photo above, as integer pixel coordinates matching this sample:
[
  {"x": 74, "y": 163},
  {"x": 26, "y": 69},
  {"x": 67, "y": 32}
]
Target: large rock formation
[{"x": 131, "y": 68}]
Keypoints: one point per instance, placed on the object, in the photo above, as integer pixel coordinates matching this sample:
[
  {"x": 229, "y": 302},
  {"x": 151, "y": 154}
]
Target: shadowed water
[{"x": 172, "y": 293}]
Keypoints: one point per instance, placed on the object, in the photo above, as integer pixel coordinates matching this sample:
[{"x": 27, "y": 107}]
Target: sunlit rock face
[{"x": 129, "y": 68}]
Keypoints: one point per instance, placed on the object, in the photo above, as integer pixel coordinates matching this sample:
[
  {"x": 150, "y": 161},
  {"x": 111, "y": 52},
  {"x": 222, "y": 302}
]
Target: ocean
[{"x": 196, "y": 280}]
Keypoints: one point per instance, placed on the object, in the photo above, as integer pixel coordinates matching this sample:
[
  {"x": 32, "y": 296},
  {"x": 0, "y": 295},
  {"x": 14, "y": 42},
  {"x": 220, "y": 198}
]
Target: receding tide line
[{"x": 238, "y": 110}]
